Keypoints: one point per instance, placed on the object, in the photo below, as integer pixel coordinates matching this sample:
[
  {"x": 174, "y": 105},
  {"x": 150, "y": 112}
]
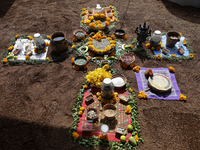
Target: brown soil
[{"x": 36, "y": 100}]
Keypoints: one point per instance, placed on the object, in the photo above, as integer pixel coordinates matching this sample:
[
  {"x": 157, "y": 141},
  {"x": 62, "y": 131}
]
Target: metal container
[
  {"x": 172, "y": 39},
  {"x": 58, "y": 42}
]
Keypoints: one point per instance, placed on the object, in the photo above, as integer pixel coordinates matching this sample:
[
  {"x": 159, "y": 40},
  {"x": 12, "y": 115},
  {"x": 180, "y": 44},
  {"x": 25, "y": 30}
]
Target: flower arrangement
[
  {"x": 85, "y": 86},
  {"x": 171, "y": 69},
  {"x": 136, "y": 68},
  {"x": 142, "y": 95},
  {"x": 173, "y": 55},
  {"x": 158, "y": 56},
  {"x": 191, "y": 55},
  {"x": 106, "y": 101},
  {"x": 158, "y": 47},
  {"x": 128, "y": 109},
  {"x": 5, "y": 60},
  {"x": 183, "y": 97},
  {"x": 104, "y": 137},
  {"x": 27, "y": 57},
  {"x": 10, "y": 48},
  {"x": 17, "y": 36},
  {"x": 106, "y": 67},
  {"x": 97, "y": 76},
  {"x": 75, "y": 135}
]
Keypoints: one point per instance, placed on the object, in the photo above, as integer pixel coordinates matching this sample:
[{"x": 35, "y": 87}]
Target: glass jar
[{"x": 107, "y": 89}]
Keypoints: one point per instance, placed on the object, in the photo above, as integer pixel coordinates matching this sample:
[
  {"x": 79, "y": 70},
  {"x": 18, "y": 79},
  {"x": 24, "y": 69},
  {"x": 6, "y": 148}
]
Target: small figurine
[{"x": 148, "y": 73}]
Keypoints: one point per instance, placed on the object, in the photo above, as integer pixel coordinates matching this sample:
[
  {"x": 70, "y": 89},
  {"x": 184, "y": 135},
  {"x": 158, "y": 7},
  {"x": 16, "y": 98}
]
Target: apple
[
  {"x": 130, "y": 127},
  {"x": 123, "y": 138}
]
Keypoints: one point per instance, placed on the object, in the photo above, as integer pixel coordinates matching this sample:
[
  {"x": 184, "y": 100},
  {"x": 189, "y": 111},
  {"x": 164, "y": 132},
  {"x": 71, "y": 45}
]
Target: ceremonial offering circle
[
  {"x": 100, "y": 47},
  {"x": 159, "y": 83}
]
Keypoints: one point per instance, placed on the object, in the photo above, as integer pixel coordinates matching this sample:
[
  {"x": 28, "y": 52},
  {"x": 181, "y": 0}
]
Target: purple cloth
[{"x": 143, "y": 84}]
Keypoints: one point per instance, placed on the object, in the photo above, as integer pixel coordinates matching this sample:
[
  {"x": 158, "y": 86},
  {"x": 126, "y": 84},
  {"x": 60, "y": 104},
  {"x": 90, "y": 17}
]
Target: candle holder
[{"x": 142, "y": 32}]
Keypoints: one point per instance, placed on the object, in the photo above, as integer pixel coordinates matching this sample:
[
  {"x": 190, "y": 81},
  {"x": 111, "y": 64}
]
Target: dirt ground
[{"x": 36, "y": 100}]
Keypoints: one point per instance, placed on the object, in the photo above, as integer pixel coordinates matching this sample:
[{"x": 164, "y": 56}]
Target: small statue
[
  {"x": 148, "y": 73},
  {"x": 142, "y": 32}
]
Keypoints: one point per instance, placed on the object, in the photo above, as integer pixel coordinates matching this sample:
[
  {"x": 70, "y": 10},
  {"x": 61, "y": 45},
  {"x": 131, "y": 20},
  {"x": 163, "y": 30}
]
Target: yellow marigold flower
[
  {"x": 136, "y": 138},
  {"x": 72, "y": 60},
  {"x": 89, "y": 43},
  {"x": 130, "y": 90},
  {"x": 105, "y": 137},
  {"x": 152, "y": 48},
  {"x": 145, "y": 96},
  {"x": 158, "y": 56},
  {"x": 86, "y": 66},
  {"x": 191, "y": 55},
  {"x": 82, "y": 21},
  {"x": 124, "y": 36},
  {"x": 141, "y": 92},
  {"x": 73, "y": 46},
  {"x": 173, "y": 55},
  {"x": 123, "y": 65},
  {"x": 171, "y": 69},
  {"x": 112, "y": 42},
  {"x": 27, "y": 57},
  {"x": 17, "y": 36},
  {"x": 115, "y": 94},
  {"x": 83, "y": 13},
  {"x": 148, "y": 45},
  {"x": 47, "y": 58},
  {"x": 15, "y": 57},
  {"x": 113, "y": 36},
  {"x": 75, "y": 135},
  {"x": 183, "y": 97},
  {"x": 83, "y": 38},
  {"x": 128, "y": 106},
  {"x": 158, "y": 48},
  {"x": 115, "y": 19},
  {"x": 107, "y": 23},
  {"x": 82, "y": 108},
  {"x": 76, "y": 67},
  {"x": 102, "y": 16},
  {"x": 136, "y": 68},
  {"x": 132, "y": 65},
  {"x": 98, "y": 22},
  {"x": 106, "y": 67},
  {"x": 98, "y": 94},
  {"x": 104, "y": 36},
  {"x": 99, "y": 97},
  {"x": 30, "y": 37},
  {"x": 85, "y": 87},
  {"x": 91, "y": 18},
  {"x": 92, "y": 25},
  {"x": 44, "y": 50},
  {"x": 184, "y": 42},
  {"x": 48, "y": 37},
  {"x": 108, "y": 48},
  {"x": 110, "y": 6},
  {"x": 180, "y": 33},
  {"x": 88, "y": 21},
  {"x": 131, "y": 46},
  {"x": 140, "y": 95},
  {"x": 96, "y": 15},
  {"x": 5, "y": 60},
  {"x": 113, "y": 13},
  {"x": 99, "y": 26},
  {"x": 80, "y": 112},
  {"x": 10, "y": 48},
  {"x": 47, "y": 44},
  {"x": 83, "y": 9},
  {"x": 75, "y": 39},
  {"x": 91, "y": 47},
  {"x": 100, "y": 136},
  {"x": 112, "y": 45},
  {"x": 90, "y": 39},
  {"x": 108, "y": 19},
  {"x": 109, "y": 38}
]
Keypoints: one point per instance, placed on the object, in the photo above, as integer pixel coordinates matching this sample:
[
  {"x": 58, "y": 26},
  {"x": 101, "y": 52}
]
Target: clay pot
[
  {"x": 172, "y": 39},
  {"x": 119, "y": 33},
  {"x": 58, "y": 42}
]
